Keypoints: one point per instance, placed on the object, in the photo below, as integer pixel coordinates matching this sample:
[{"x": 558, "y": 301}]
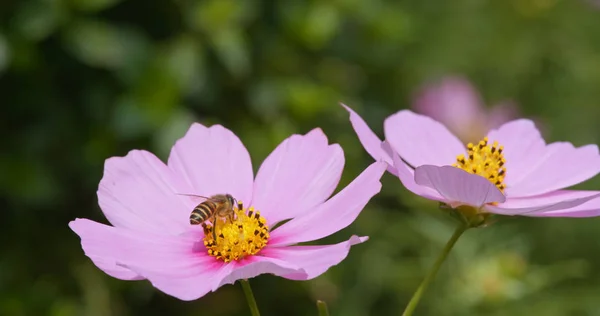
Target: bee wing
[{"x": 196, "y": 197}]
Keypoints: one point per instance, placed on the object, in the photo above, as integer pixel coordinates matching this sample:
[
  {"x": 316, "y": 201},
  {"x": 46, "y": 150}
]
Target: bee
[{"x": 219, "y": 206}]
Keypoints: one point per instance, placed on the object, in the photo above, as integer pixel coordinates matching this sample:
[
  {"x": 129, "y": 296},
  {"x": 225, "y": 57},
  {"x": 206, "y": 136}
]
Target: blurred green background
[{"x": 84, "y": 80}]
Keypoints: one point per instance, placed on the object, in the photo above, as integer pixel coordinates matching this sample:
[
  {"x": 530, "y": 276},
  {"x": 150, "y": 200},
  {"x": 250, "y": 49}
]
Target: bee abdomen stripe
[
  {"x": 194, "y": 221},
  {"x": 201, "y": 212}
]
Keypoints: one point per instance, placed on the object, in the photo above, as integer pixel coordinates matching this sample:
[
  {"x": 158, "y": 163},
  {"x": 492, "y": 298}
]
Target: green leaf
[{"x": 101, "y": 44}]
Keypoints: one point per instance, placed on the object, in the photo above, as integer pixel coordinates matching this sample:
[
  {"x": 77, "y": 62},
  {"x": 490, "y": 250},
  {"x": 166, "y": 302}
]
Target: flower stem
[
  {"x": 250, "y": 298},
  {"x": 414, "y": 301},
  {"x": 322, "y": 307}
]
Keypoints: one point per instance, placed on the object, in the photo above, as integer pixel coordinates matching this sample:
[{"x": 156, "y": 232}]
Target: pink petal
[
  {"x": 457, "y": 186},
  {"x": 173, "y": 264},
  {"x": 335, "y": 214},
  {"x": 370, "y": 141},
  {"x": 218, "y": 274},
  {"x": 256, "y": 265},
  {"x": 453, "y": 102},
  {"x": 213, "y": 161},
  {"x": 546, "y": 199},
  {"x": 299, "y": 174},
  {"x": 561, "y": 166},
  {"x": 138, "y": 192},
  {"x": 420, "y": 140},
  {"x": 407, "y": 177},
  {"x": 564, "y": 203},
  {"x": 190, "y": 287},
  {"x": 587, "y": 209},
  {"x": 523, "y": 148},
  {"x": 111, "y": 268},
  {"x": 314, "y": 260}
]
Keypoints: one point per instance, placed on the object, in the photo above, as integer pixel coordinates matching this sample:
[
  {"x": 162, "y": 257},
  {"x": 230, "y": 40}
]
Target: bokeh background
[{"x": 84, "y": 80}]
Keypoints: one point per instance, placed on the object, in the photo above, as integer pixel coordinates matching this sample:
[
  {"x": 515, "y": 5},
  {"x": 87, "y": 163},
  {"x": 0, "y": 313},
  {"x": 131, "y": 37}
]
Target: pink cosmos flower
[
  {"x": 454, "y": 102},
  {"x": 512, "y": 171},
  {"x": 151, "y": 236}
]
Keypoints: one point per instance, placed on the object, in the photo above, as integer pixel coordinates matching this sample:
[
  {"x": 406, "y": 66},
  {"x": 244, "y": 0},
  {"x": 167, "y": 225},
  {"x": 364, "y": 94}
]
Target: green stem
[
  {"x": 250, "y": 298},
  {"x": 322, "y": 307},
  {"x": 414, "y": 301}
]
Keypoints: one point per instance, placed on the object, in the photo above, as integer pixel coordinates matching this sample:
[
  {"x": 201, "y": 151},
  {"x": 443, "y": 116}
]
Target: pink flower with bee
[{"x": 151, "y": 235}]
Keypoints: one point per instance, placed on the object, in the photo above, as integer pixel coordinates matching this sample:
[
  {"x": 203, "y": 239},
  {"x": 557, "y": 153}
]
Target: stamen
[
  {"x": 246, "y": 235},
  {"x": 484, "y": 160}
]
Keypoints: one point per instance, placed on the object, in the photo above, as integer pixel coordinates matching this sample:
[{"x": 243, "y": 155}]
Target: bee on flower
[{"x": 160, "y": 233}]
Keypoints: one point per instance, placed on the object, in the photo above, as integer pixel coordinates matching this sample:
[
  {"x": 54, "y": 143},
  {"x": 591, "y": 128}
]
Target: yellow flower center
[
  {"x": 246, "y": 235},
  {"x": 484, "y": 160}
]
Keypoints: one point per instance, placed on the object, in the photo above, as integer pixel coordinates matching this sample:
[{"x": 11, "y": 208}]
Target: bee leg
[
  {"x": 214, "y": 228},
  {"x": 205, "y": 227}
]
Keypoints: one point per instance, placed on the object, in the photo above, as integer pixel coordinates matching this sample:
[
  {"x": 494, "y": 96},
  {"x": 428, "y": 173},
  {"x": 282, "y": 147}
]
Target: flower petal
[
  {"x": 457, "y": 186},
  {"x": 420, "y": 140},
  {"x": 138, "y": 192},
  {"x": 562, "y": 166},
  {"x": 565, "y": 203},
  {"x": 370, "y": 141},
  {"x": 590, "y": 208},
  {"x": 174, "y": 264},
  {"x": 256, "y": 265},
  {"x": 111, "y": 268},
  {"x": 213, "y": 161},
  {"x": 314, "y": 260},
  {"x": 188, "y": 287},
  {"x": 335, "y": 214},
  {"x": 407, "y": 177},
  {"x": 523, "y": 148},
  {"x": 299, "y": 174}
]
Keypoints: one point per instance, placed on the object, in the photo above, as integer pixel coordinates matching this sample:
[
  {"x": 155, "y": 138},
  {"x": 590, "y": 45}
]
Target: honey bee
[{"x": 219, "y": 206}]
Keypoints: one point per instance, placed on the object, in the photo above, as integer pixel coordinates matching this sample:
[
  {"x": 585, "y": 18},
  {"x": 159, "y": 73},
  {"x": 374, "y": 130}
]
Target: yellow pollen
[
  {"x": 246, "y": 235},
  {"x": 484, "y": 160}
]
